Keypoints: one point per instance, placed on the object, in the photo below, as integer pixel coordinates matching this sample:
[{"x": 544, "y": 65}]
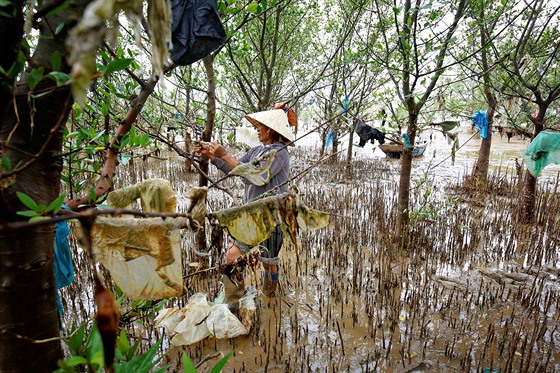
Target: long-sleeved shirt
[{"x": 280, "y": 169}]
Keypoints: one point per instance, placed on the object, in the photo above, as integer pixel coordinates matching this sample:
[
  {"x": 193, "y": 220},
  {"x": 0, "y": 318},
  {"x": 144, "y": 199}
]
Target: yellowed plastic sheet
[
  {"x": 142, "y": 255},
  {"x": 253, "y": 222},
  {"x": 155, "y": 195}
]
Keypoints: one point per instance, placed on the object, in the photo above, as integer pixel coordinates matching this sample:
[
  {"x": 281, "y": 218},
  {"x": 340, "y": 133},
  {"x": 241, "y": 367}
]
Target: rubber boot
[
  {"x": 270, "y": 286},
  {"x": 234, "y": 290}
]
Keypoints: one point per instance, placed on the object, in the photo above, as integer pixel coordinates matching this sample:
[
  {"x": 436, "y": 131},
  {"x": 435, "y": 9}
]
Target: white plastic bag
[
  {"x": 223, "y": 324},
  {"x": 193, "y": 328},
  {"x": 169, "y": 318},
  {"x": 247, "y": 308}
]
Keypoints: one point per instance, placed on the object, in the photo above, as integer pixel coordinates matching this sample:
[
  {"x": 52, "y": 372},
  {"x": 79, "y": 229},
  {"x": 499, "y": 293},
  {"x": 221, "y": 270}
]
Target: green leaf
[
  {"x": 27, "y": 213},
  {"x": 76, "y": 341},
  {"x": 188, "y": 365},
  {"x": 253, "y": 7},
  {"x": 56, "y": 60},
  {"x": 122, "y": 343},
  {"x": 59, "y": 28},
  {"x": 94, "y": 348},
  {"x": 27, "y": 201},
  {"x": 141, "y": 363},
  {"x": 63, "y": 5},
  {"x": 76, "y": 360},
  {"x": 105, "y": 107},
  {"x": 59, "y": 77},
  {"x": 34, "y": 77},
  {"x": 91, "y": 196},
  {"x": 55, "y": 205},
  {"x": 38, "y": 218},
  {"x": 218, "y": 367},
  {"x": 6, "y": 163},
  {"x": 116, "y": 65}
]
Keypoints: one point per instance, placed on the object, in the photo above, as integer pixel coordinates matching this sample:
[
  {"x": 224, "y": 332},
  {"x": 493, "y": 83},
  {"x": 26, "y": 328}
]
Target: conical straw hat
[{"x": 276, "y": 120}]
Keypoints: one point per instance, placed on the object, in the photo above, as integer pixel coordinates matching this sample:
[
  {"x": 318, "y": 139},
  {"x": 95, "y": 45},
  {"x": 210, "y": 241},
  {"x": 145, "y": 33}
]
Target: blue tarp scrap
[
  {"x": 63, "y": 267},
  {"x": 330, "y": 138},
  {"x": 480, "y": 121},
  {"x": 542, "y": 151},
  {"x": 406, "y": 141}
]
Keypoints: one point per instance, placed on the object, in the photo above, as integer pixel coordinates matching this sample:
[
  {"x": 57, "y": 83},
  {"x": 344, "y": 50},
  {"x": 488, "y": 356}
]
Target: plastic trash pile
[{"x": 201, "y": 319}]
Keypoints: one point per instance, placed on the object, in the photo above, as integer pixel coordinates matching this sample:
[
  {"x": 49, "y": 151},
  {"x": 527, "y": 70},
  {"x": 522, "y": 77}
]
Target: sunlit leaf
[
  {"x": 220, "y": 365},
  {"x": 59, "y": 77},
  {"x": 55, "y": 205},
  {"x": 76, "y": 340},
  {"x": 27, "y": 213},
  {"x": 76, "y": 360},
  {"x": 27, "y": 201},
  {"x": 116, "y": 65},
  {"x": 188, "y": 365},
  {"x": 122, "y": 343},
  {"x": 37, "y": 218},
  {"x": 252, "y": 8}
]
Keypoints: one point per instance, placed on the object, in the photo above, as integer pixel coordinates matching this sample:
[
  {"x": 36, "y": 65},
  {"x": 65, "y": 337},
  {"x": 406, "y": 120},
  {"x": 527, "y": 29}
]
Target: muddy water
[{"x": 470, "y": 291}]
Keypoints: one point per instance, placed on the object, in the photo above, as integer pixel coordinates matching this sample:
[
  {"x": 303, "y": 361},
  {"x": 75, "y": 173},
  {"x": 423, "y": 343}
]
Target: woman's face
[{"x": 265, "y": 134}]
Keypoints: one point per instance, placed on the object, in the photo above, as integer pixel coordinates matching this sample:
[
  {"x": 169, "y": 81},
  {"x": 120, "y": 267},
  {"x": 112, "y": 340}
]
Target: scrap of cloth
[
  {"x": 542, "y": 151},
  {"x": 367, "y": 133},
  {"x": 196, "y": 30},
  {"x": 253, "y": 222}
]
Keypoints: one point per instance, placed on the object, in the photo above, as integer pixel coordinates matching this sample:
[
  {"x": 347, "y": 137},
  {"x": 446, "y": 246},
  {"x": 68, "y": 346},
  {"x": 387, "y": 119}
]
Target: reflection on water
[{"x": 470, "y": 290}]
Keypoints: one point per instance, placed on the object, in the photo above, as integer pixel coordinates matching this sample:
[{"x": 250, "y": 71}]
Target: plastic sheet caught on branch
[
  {"x": 143, "y": 255},
  {"x": 155, "y": 195},
  {"x": 254, "y": 171},
  {"x": 86, "y": 37},
  {"x": 542, "y": 151},
  {"x": 253, "y": 222}
]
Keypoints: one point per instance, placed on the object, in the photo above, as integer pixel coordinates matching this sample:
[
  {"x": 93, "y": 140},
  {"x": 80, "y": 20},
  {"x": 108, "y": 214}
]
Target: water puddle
[{"x": 470, "y": 291}]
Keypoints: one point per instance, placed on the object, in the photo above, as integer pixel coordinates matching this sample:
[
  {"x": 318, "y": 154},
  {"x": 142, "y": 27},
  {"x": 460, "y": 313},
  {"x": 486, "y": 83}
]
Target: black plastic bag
[{"x": 196, "y": 30}]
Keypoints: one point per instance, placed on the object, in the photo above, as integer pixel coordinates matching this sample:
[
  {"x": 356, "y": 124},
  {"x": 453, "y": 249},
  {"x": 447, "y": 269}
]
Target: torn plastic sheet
[
  {"x": 254, "y": 171},
  {"x": 542, "y": 151},
  {"x": 155, "y": 195},
  {"x": 253, "y": 222},
  {"x": 142, "y": 255}
]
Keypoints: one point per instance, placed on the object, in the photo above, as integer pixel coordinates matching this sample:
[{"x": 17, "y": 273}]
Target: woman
[{"x": 274, "y": 132}]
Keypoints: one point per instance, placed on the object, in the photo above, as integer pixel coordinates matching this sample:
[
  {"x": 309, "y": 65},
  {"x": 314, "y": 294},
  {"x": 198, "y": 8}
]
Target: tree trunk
[
  {"x": 404, "y": 194},
  {"x": 528, "y": 200},
  {"x": 27, "y": 296},
  {"x": 31, "y": 130},
  {"x": 527, "y": 212},
  {"x": 349, "y": 151},
  {"x": 480, "y": 170}
]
